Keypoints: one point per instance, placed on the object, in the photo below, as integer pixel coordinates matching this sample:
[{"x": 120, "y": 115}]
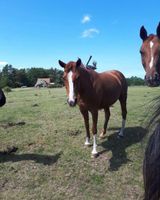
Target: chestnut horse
[
  {"x": 93, "y": 91},
  {"x": 150, "y": 54}
]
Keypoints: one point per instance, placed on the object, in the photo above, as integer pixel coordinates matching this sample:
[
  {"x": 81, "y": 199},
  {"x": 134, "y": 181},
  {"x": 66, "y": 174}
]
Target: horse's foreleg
[
  {"x": 86, "y": 122},
  {"x": 107, "y": 116},
  {"x": 94, "y": 131}
]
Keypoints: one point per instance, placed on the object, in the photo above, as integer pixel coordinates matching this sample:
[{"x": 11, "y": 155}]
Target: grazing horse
[
  {"x": 150, "y": 55},
  {"x": 2, "y": 98},
  {"x": 93, "y": 91}
]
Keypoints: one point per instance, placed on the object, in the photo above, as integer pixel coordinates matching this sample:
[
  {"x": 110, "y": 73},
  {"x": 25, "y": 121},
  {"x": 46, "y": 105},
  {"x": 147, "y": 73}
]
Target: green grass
[{"x": 51, "y": 161}]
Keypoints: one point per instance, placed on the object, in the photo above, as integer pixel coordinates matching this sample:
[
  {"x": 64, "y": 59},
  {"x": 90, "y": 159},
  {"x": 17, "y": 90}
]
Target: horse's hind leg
[
  {"x": 107, "y": 116},
  {"x": 123, "y": 101}
]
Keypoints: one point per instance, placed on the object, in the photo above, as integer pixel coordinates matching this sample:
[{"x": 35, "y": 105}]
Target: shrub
[{"x": 7, "y": 89}]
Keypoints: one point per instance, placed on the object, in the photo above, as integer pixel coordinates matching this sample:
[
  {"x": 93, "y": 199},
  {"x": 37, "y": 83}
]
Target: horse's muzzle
[
  {"x": 72, "y": 103},
  {"x": 153, "y": 81}
]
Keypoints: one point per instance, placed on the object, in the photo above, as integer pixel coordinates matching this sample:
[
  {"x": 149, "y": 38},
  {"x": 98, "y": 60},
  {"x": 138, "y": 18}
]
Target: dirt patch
[
  {"x": 17, "y": 123},
  {"x": 9, "y": 150},
  {"x": 35, "y": 105},
  {"x": 73, "y": 133},
  {"x": 12, "y": 124}
]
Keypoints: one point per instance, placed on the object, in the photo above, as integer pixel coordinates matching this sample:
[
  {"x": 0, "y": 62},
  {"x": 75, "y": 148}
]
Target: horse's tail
[
  {"x": 124, "y": 86},
  {"x": 151, "y": 167}
]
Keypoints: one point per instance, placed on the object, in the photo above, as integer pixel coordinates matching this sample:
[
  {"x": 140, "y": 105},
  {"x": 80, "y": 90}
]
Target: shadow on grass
[
  {"x": 132, "y": 135},
  {"x": 44, "y": 159}
]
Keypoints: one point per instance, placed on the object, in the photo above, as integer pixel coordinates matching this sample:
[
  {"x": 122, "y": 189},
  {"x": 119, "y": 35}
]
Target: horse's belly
[
  {"x": 107, "y": 102},
  {"x": 108, "y": 97}
]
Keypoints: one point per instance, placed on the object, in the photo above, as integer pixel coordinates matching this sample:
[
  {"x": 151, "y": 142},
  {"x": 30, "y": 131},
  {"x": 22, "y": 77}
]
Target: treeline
[
  {"x": 133, "y": 81},
  {"x": 12, "y": 77}
]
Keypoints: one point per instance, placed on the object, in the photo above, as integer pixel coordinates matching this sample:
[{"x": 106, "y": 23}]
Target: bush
[{"x": 7, "y": 89}]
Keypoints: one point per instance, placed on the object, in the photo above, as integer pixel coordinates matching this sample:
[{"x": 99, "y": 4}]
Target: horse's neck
[
  {"x": 85, "y": 75},
  {"x": 86, "y": 81}
]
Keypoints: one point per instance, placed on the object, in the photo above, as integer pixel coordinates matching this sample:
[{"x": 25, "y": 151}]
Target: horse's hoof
[
  {"x": 88, "y": 145},
  {"x": 102, "y": 136},
  {"x": 95, "y": 155},
  {"x": 120, "y": 136}
]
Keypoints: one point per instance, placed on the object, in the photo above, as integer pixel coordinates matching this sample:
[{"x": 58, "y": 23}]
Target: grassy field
[{"x": 49, "y": 160}]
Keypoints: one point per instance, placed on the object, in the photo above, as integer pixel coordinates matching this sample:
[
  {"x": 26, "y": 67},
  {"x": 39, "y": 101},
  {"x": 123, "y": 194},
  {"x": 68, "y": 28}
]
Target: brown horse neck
[{"x": 86, "y": 81}]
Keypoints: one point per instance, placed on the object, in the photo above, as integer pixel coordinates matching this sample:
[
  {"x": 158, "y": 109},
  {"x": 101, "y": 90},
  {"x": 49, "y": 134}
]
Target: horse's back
[
  {"x": 122, "y": 80},
  {"x": 114, "y": 79},
  {"x": 112, "y": 86}
]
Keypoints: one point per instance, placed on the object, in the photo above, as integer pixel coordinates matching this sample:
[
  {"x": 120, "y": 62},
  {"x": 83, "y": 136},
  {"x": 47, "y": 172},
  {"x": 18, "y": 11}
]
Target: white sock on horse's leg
[
  {"x": 87, "y": 142},
  {"x": 94, "y": 151},
  {"x": 122, "y": 128}
]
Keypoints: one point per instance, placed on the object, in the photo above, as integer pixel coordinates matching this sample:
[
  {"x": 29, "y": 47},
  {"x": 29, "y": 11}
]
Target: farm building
[{"x": 43, "y": 82}]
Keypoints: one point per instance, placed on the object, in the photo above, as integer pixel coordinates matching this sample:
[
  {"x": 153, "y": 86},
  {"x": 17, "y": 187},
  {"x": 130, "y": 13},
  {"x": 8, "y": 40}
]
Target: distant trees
[
  {"x": 135, "y": 81},
  {"x": 12, "y": 77}
]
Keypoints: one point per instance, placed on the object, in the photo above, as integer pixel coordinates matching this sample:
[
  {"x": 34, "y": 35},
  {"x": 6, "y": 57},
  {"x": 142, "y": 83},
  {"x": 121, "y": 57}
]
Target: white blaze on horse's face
[
  {"x": 152, "y": 56},
  {"x": 71, "y": 96}
]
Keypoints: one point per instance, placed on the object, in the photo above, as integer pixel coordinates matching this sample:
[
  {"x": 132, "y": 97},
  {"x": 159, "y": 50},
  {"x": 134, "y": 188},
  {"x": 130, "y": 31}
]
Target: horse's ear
[
  {"x": 158, "y": 30},
  {"x": 78, "y": 63},
  {"x": 143, "y": 33},
  {"x": 62, "y": 64}
]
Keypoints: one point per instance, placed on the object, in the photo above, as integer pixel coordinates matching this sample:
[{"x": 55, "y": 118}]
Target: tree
[
  {"x": 135, "y": 81},
  {"x": 8, "y": 76},
  {"x": 21, "y": 78},
  {"x": 34, "y": 73}
]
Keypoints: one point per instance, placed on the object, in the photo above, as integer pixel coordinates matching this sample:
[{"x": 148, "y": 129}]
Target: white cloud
[
  {"x": 3, "y": 63},
  {"x": 86, "y": 19},
  {"x": 89, "y": 33}
]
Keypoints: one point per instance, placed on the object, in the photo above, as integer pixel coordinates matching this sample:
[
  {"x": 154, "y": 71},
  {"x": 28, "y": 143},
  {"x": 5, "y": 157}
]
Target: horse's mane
[{"x": 151, "y": 165}]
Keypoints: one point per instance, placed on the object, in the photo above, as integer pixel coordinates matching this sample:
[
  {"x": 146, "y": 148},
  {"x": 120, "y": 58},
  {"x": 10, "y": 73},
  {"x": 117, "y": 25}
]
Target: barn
[{"x": 43, "y": 82}]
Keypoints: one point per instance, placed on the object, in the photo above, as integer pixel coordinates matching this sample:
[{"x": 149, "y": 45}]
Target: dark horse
[
  {"x": 150, "y": 54},
  {"x": 93, "y": 91},
  {"x": 2, "y": 98}
]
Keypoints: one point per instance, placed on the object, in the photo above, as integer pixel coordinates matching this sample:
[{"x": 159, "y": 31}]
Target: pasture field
[{"x": 42, "y": 153}]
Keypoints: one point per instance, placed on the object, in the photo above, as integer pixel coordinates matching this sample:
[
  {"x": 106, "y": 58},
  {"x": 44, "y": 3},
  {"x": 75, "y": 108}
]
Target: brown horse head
[
  {"x": 70, "y": 77},
  {"x": 150, "y": 55}
]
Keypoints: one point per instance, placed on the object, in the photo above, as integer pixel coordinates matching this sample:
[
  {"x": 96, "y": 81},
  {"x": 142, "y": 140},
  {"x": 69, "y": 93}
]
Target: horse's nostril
[
  {"x": 72, "y": 103},
  {"x": 148, "y": 78},
  {"x": 156, "y": 76}
]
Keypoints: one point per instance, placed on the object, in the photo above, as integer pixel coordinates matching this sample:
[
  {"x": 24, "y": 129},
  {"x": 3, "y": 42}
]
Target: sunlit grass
[{"x": 51, "y": 161}]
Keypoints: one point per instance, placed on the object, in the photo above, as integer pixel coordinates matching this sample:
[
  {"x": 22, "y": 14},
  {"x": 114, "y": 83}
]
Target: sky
[{"x": 37, "y": 33}]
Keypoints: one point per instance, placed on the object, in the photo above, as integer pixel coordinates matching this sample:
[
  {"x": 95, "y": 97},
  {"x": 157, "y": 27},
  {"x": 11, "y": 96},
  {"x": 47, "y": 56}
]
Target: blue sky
[{"x": 37, "y": 33}]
